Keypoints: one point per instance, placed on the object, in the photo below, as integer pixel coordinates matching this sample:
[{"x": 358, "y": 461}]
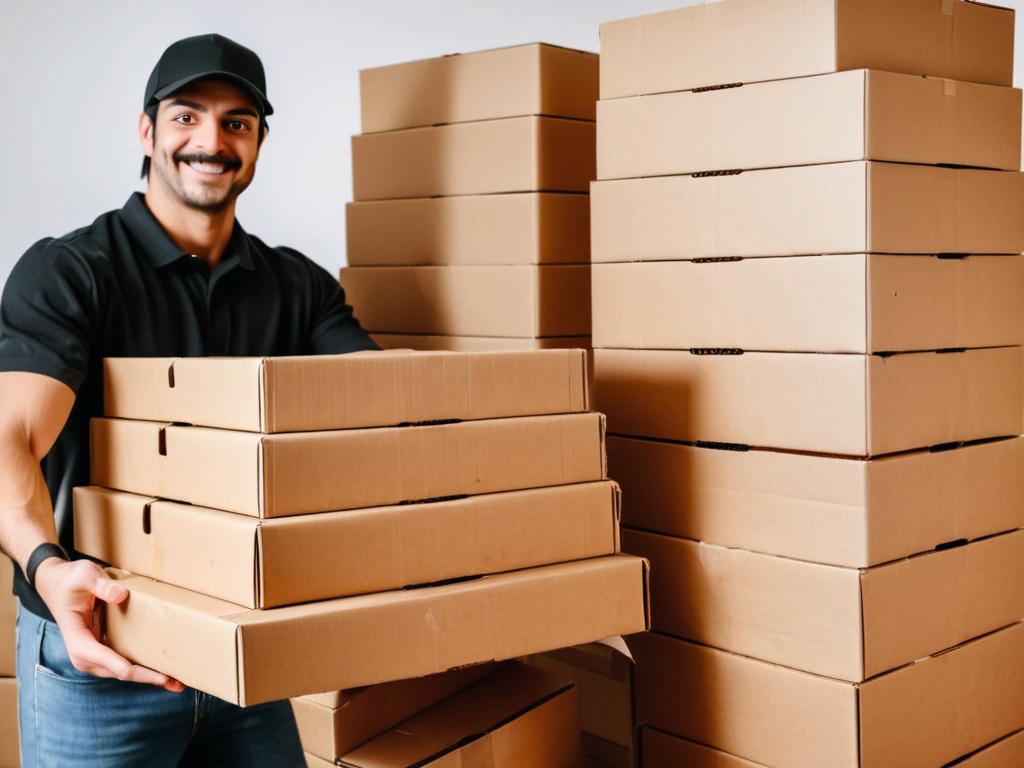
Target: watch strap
[{"x": 44, "y": 551}]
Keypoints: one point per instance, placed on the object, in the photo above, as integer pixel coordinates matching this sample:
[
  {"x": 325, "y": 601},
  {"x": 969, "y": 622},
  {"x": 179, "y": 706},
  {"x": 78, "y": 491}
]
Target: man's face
[{"x": 205, "y": 144}]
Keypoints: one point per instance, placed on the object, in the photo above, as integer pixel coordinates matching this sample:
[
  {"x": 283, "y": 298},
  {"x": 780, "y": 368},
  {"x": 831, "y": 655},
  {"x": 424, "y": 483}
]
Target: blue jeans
[{"x": 70, "y": 718}]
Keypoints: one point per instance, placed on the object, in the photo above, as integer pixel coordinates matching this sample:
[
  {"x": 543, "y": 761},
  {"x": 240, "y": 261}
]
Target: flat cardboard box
[
  {"x": 854, "y": 405},
  {"x": 918, "y": 716},
  {"x": 521, "y": 228},
  {"x": 835, "y": 303},
  {"x": 604, "y": 679},
  {"x": 663, "y": 750},
  {"x": 517, "y": 716},
  {"x": 846, "y": 623},
  {"x": 825, "y": 509},
  {"x": 312, "y": 761},
  {"x": 515, "y": 154},
  {"x": 534, "y": 79},
  {"x": 857, "y": 115},
  {"x": 1005, "y": 752},
  {"x": 247, "y": 657},
  {"x": 371, "y": 389},
  {"x": 8, "y": 616},
  {"x": 303, "y": 472},
  {"x": 9, "y": 737},
  {"x": 331, "y": 724},
  {"x": 743, "y": 41},
  {"x": 268, "y": 563},
  {"x": 523, "y": 300},
  {"x": 478, "y": 343},
  {"x": 837, "y": 208}
]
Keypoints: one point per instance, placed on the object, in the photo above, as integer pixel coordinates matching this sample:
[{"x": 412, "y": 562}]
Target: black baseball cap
[{"x": 203, "y": 56}]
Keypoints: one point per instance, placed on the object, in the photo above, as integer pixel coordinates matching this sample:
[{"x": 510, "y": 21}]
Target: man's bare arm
[{"x": 33, "y": 410}]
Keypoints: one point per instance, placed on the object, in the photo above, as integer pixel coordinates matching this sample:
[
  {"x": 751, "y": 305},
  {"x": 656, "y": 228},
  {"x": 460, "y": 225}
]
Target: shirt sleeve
[
  {"x": 48, "y": 313},
  {"x": 334, "y": 328}
]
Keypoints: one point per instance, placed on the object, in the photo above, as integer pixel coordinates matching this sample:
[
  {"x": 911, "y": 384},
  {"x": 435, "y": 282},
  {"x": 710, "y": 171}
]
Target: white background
[{"x": 72, "y": 74}]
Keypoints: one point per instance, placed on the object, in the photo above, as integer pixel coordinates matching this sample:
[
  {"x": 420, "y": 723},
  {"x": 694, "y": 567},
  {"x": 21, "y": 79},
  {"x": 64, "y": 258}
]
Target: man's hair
[{"x": 151, "y": 113}]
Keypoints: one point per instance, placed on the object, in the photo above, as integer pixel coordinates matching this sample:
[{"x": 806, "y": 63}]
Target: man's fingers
[
  {"x": 89, "y": 655},
  {"x": 108, "y": 590}
]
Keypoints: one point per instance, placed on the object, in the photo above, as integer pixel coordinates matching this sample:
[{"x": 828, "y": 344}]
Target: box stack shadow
[
  {"x": 470, "y": 226},
  {"x": 808, "y": 302},
  {"x": 288, "y": 526}
]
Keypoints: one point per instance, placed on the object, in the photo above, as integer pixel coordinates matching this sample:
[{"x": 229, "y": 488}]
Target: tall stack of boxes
[
  {"x": 807, "y": 306},
  {"x": 279, "y": 540},
  {"x": 470, "y": 228},
  {"x": 9, "y": 757}
]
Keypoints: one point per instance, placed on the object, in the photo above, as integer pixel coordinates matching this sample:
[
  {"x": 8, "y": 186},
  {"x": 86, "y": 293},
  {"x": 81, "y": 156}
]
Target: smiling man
[{"x": 170, "y": 274}]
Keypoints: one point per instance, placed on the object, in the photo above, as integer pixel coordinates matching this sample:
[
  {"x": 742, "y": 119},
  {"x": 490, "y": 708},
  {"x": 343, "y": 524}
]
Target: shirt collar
[{"x": 161, "y": 250}]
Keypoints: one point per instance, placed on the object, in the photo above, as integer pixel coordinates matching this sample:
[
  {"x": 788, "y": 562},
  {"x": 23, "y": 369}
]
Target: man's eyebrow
[
  {"x": 244, "y": 111},
  {"x": 190, "y": 104}
]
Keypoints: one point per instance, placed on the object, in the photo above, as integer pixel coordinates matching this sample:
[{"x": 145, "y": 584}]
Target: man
[{"x": 170, "y": 274}]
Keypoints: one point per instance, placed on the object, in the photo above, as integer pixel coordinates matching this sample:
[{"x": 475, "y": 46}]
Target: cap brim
[{"x": 241, "y": 82}]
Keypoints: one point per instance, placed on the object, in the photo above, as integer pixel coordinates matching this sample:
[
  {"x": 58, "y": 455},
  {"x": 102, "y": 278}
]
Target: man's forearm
[{"x": 26, "y": 512}]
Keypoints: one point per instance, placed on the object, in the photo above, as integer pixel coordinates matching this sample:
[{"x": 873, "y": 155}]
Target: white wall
[{"x": 72, "y": 75}]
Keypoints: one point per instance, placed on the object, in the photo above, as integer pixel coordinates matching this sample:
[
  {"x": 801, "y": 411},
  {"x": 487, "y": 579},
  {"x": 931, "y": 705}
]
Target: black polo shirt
[{"x": 121, "y": 288}]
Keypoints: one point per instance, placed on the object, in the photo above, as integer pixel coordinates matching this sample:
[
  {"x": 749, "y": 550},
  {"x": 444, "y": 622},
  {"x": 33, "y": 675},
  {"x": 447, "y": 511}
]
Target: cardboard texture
[
  {"x": 372, "y": 389},
  {"x": 478, "y": 343},
  {"x": 838, "y": 303},
  {"x": 742, "y": 41},
  {"x": 304, "y": 472},
  {"x": 856, "y": 405},
  {"x": 837, "y": 208},
  {"x": 924, "y": 714},
  {"x": 312, "y": 761},
  {"x": 663, "y": 750},
  {"x": 858, "y": 115},
  {"x": 824, "y": 509},
  {"x": 331, "y": 724},
  {"x": 1005, "y": 752},
  {"x": 335, "y": 554},
  {"x": 8, "y": 616},
  {"x": 525, "y": 228},
  {"x": 550, "y": 300},
  {"x": 536, "y": 79},
  {"x": 845, "y": 623},
  {"x": 9, "y": 739},
  {"x": 604, "y": 679},
  {"x": 516, "y": 154},
  {"x": 248, "y": 657},
  {"x": 517, "y": 716}
]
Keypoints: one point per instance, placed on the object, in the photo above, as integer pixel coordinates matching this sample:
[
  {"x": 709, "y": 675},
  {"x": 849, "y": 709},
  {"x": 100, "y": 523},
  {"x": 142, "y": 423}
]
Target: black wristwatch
[{"x": 42, "y": 552}]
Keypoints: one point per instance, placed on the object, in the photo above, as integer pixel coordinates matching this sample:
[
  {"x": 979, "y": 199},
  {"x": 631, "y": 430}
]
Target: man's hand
[{"x": 72, "y": 591}]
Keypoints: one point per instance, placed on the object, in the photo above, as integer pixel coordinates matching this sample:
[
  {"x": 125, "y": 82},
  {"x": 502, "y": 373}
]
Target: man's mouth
[{"x": 209, "y": 164}]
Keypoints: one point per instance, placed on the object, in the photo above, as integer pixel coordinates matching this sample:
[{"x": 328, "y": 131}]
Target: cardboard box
[
  {"x": 604, "y": 679},
  {"x": 247, "y": 657},
  {"x": 331, "y": 724},
  {"x": 663, "y": 750},
  {"x": 268, "y": 563},
  {"x": 1006, "y": 751},
  {"x": 8, "y": 616},
  {"x": 523, "y": 228},
  {"x": 924, "y": 714},
  {"x": 826, "y": 509},
  {"x": 312, "y": 761},
  {"x": 549, "y": 300},
  {"x": 836, "y": 303},
  {"x": 845, "y": 623},
  {"x": 742, "y": 41},
  {"x": 517, "y": 716},
  {"x": 303, "y": 472},
  {"x": 858, "y": 115},
  {"x": 478, "y": 343},
  {"x": 9, "y": 738},
  {"x": 535, "y": 79},
  {"x": 838, "y": 208},
  {"x": 372, "y": 389},
  {"x": 516, "y": 154},
  {"x": 855, "y": 405}
]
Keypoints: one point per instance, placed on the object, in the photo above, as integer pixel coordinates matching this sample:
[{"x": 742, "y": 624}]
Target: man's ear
[{"x": 146, "y": 134}]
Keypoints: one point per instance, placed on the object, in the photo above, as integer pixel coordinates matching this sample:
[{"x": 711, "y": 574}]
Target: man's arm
[{"x": 33, "y": 410}]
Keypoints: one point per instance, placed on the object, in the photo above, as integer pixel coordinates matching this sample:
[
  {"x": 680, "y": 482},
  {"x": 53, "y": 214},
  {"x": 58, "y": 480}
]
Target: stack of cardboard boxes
[
  {"x": 470, "y": 227},
  {"x": 806, "y": 310},
  {"x": 295, "y": 525},
  {"x": 8, "y": 685}
]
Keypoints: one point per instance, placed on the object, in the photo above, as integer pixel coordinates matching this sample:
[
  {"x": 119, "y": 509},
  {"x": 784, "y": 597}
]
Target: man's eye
[
  {"x": 237, "y": 125},
  {"x": 186, "y": 119}
]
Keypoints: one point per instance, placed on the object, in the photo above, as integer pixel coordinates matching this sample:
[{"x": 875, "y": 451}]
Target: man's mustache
[{"x": 227, "y": 162}]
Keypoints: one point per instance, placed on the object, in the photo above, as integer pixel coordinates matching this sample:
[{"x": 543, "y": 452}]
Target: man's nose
[{"x": 210, "y": 137}]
